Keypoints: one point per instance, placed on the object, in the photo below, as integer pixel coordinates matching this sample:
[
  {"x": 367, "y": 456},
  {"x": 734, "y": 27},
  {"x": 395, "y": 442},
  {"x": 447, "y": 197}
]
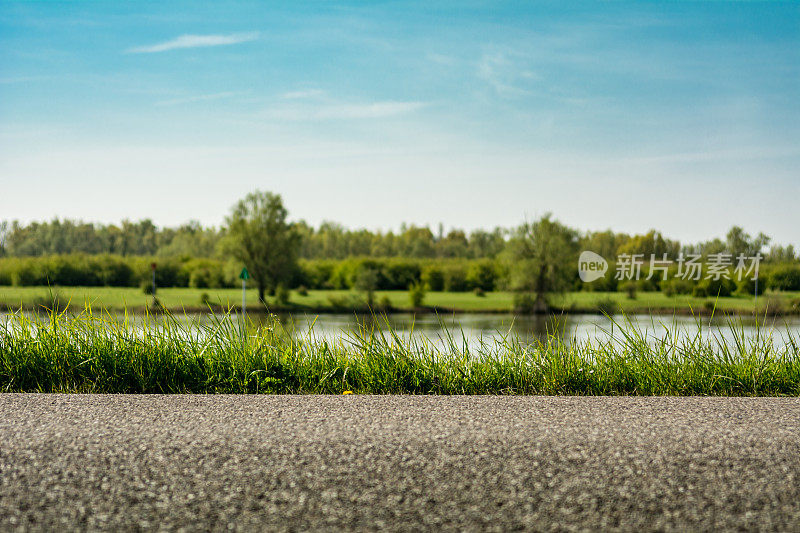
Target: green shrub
[
  {"x": 114, "y": 271},
  {"x": 524, "y": 303},
  {"x": 205, "y": 299},
  {"x": 385, "y": 303},
  {"x": 130, "y": 271},
  {"x": 200, "y": 279},
  {"x": 302, "y": 290},
  {"x": 169, "y": 272},
  {"x": 400, "y": 273},
  {"x": 477, "y": 291},
  {"x": 416, "y": 293},
  {"x": 608, "y": 283},
  {"x": 722, "y": 287},
  {"x": 606, "y": 306},
  {"x": 699, "y": 291},
  {"x": 348, "y": 302},
  {"x": 481, "y": 275},
  {"x": 146, "y": 286},
  {"x": 748, "y": 286},
  {"x": 204, "y": 273},
  {"x": 282, "y": 295},
  {"x": 28, "y": 272},
  {"x": 674, "y": 286},
  {"x": 342, "y": 276},
  {"x": 52, "y": 301},
  {"x": 785, "y": 278},
  {"x": 69, "y": 271},
  {"x": 367, "y": 282},
  {"x": 433, "y": 278},
  {"x": 773, "y": 304},
  {"x": 317, "y": 274},
  {"x": 630, "y": 288},
  {"x": 647, "y": 285},
  {"x": 455, "y": 279}
]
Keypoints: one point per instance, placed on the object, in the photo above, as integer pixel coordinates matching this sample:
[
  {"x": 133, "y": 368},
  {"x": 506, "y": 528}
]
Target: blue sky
[{"x": 681, "y": 116}]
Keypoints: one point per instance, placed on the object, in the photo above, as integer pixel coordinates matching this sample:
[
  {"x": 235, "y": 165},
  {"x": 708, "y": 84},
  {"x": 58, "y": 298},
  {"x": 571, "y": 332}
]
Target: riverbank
[
  {"x": 105, "y": 354},
  {"x": 179, "y": 300}
]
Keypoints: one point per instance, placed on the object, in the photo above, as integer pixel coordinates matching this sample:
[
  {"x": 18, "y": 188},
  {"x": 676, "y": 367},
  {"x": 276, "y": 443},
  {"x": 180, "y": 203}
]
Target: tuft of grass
[{"x": 99, "y": 353}]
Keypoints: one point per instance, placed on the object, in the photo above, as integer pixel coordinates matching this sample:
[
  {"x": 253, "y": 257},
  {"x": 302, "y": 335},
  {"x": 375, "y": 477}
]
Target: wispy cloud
[
  {"x": 441, "y": 59},
  {"x": 307, "y": 93},
  {"x": 195, "y": 41},
  {"x": 344, "y": 111},
  {"x": 22, "y": 79},
  {"x": 197, "y": 98},
  {"x": 503, "y": 74}
]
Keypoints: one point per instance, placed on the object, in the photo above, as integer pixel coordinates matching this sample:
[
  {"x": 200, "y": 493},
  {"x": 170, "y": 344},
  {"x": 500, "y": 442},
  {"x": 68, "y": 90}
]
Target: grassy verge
[
  {"x": 103, "y": 354},
  {"x": 179, "y": 299}
]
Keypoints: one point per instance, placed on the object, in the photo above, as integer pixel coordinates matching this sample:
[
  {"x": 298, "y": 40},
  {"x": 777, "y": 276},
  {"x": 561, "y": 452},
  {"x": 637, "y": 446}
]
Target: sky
[{"x": 679, "y": 116}]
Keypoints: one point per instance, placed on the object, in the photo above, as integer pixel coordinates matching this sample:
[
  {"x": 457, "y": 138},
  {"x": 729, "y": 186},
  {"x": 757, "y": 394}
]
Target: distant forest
[{"x": 333, "y": 241}]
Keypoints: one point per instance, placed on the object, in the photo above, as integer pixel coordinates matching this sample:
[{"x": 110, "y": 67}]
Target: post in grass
[{"x": 244, "y": 275}]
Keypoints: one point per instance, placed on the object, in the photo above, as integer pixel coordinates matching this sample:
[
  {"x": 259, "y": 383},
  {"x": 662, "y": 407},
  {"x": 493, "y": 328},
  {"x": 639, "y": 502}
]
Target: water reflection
[{"x": 475, "y": 328}]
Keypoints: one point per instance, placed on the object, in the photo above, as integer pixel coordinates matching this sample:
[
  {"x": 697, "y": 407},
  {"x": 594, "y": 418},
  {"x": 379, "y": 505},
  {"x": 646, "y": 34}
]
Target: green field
[{"x": 179, "y": 299}]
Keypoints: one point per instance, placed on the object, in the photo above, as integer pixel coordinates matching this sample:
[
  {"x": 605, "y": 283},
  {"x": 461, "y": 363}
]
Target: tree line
[
  {"x": 328, "y": 241},
  {"x": 534, "y": 259},
  {"x": 333, "y": 241}
]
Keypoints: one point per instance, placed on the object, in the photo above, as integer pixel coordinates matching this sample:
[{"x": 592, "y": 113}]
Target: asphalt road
[{"x": 75, "y": 462}]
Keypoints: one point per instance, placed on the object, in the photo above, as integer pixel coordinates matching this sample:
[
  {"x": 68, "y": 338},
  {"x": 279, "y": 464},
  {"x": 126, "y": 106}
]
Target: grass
[
  {"x": 178, "y": 299},
  {"x": 98, "y": 353}
]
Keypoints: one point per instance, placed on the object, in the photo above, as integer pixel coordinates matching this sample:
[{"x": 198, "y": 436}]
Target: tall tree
[
  {"x": 544, "y": 256},
  {"x": 258, "y": 234},
  {"x": 3, "y": 235},
  {"x": 738, "y": 242}
]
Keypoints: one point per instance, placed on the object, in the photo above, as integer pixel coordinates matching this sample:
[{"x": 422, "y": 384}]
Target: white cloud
[
  {"x": 503, "y": 74},
  {"x": 195, "y": 41},
  {"x": 441, "y": 59},
  {"x": 307, "y": 93},
  {"x": 344, "y": 111},
  {"x": 198, "y": 98}
]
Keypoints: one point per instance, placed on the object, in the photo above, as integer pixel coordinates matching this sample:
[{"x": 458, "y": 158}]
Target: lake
[
  {"x": 486, "y": 328},
  {"x": 570, "y": 328}
]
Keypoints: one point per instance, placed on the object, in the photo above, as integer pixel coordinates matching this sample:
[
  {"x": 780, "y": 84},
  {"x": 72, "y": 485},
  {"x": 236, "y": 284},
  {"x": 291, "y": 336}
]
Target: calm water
[
  {"x": 485, "y": 327},
  {"x": 478, "y": 328}
]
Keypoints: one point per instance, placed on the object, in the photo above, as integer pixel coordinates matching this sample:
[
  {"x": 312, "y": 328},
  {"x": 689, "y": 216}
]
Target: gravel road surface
[{"x": 405, "y": 463}]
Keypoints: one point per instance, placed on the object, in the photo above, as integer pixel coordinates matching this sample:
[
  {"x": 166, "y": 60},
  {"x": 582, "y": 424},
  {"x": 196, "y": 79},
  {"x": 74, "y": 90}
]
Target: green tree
[
  {"x": 367, "y": 282},
  {"x": 651, "y": 243},
  {"x": 455, "y": 244},
  {"x": 738, "y": 242},
  {"x": 544, "y": 256},
  {"x": 3, "y": 236},
  {"x": 416, "y": 294},
  {"x": 416, "y": 242},
  {"x": 259, "y": 236},
  {"x": 782, "y": 253},
  {"x": 605, "y": 243}
]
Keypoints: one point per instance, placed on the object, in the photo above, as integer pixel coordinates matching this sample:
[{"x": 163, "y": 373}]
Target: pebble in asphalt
[{"x": 405, "y": 463}]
